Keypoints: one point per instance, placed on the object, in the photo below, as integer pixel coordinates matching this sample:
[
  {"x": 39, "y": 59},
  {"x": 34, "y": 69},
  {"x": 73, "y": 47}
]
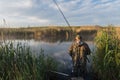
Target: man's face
[{"x": 77, "y": 39}]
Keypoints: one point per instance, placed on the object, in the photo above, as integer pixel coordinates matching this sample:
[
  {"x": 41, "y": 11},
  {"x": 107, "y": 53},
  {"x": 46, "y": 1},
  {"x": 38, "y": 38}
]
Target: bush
[{"x": 107, "y": 58}]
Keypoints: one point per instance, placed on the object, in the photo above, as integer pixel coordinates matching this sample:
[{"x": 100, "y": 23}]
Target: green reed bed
[
  {"x": 19, "y": 63},
  {"x": 107, "y": 58}
]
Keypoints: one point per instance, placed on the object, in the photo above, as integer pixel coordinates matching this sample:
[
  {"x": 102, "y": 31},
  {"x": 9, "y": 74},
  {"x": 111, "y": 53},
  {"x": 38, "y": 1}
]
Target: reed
[
  {"x": 107, "y": 55},
  {"x": 19, "y": 63}
]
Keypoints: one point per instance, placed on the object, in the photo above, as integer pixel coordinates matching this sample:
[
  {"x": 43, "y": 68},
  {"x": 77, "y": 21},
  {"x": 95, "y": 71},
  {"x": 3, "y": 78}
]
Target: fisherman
[{"x": 79, "y": 51}]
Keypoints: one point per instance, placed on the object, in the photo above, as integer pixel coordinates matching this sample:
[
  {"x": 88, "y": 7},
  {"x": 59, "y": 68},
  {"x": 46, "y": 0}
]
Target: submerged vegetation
[
  {"x": 107, "y": 55},
  {"x": 19, "y": 63}
]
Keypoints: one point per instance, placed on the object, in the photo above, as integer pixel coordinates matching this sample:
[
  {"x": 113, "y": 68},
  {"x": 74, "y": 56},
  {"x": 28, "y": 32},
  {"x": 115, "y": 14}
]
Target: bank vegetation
[{"x": 107, "y": 55}]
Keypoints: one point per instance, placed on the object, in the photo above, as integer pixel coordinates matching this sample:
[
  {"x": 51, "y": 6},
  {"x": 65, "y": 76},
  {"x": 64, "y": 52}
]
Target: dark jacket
[{"x": 79, "y": 51}]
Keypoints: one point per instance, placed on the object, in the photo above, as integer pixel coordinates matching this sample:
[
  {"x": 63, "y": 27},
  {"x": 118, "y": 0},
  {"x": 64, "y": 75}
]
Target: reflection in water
[
  {"x": 63, "y": 37},
  {"x": 48, "y": 36}
]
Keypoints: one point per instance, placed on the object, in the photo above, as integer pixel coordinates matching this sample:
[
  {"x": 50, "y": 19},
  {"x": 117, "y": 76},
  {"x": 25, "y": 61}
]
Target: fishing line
[{"x": 63, "y": 15}]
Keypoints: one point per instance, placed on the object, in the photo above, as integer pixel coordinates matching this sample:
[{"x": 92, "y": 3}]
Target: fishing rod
[{"x": 63, "y": 16}]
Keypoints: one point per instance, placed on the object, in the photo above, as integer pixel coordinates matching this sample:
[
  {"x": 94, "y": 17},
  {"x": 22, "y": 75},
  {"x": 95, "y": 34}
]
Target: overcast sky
[{"x": 45, "y": 12}]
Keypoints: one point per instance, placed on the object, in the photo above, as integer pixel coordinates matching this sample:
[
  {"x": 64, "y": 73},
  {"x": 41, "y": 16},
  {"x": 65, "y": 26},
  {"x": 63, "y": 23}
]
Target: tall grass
[
  {"x": 18, "y": 63},
  {"x": 107, "y": 58}
]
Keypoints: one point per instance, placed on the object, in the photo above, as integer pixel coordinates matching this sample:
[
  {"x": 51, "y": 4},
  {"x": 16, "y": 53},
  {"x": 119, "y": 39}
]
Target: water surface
[{"x": 58, "y": 50}]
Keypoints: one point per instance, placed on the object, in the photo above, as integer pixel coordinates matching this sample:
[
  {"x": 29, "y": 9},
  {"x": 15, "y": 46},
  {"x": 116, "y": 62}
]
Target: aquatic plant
[
  {"x": 19, "y": 63},
  {"x": 107, "y": 58}
]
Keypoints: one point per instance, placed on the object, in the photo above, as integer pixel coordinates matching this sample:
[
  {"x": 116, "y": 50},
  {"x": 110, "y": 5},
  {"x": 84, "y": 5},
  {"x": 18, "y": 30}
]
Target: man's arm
[
  {"x": 71, "y": 50},
  {"x": 88, "y": 51}
]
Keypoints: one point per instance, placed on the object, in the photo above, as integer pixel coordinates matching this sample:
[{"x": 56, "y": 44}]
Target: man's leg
[
  {"x": 74, "y": 69},
  {"x": 84, "y": 69}
]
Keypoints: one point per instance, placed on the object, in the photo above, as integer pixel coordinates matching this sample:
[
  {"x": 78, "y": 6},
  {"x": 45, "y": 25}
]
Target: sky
[{"x": 26, "y": 13}]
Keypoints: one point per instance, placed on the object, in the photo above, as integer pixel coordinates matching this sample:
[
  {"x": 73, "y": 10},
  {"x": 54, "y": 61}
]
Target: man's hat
[{"x": 78, "y": 36}]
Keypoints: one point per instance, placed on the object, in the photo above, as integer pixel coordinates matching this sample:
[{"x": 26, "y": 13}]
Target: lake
[{"x": 57, "y": 49}]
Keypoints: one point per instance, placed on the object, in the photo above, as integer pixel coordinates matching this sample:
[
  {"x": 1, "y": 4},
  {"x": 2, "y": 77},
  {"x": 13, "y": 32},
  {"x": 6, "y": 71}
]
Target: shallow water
[{"x": 58, "y": 50}]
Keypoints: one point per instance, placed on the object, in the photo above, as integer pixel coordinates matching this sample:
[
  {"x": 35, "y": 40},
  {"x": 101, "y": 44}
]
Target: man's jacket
[{"x": 79, "y": 51}]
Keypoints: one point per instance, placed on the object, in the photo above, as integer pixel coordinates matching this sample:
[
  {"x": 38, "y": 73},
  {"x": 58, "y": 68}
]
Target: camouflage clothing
[{"x": 79, "y": 52}]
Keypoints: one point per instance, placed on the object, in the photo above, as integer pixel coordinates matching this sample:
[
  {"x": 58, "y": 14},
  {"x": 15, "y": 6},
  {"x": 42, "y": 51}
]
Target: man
[{"x": 79, "y": 51}]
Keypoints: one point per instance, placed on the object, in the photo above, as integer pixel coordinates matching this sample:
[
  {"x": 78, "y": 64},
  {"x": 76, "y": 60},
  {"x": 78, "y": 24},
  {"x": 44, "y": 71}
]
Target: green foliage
[
  {"x": 18, "y": 63},
  {"x": 107, "y": 58}
]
